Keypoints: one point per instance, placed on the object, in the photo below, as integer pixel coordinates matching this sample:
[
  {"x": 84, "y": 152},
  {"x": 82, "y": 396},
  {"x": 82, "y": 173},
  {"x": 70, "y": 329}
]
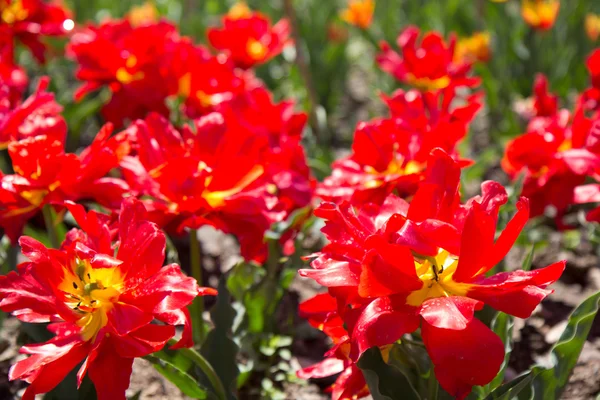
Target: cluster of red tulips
[{"x": 405, "y": 254}]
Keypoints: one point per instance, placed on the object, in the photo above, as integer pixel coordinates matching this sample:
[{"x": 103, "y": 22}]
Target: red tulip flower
[
  {"x": 390, "y": 155},
  {"x": 101, "y": 306},
  {"x": 134, "y": 62},
  {"x": 248, "y": 37},
  {"x": 429, "y": 64},
  {"x": 28, "y": 21},
  {"x": 401, "y": 282},
  {"x": 557, "y": 153},
  {"x": 38, "y": 115},
  {"x": 321, "y": 312},
  {"x": 214, "y": 176},
  {"x": 45, "y": 174}
]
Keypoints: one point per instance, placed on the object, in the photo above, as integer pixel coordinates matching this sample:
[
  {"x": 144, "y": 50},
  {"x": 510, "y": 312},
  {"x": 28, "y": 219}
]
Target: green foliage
[
  {"x": 385, "y": 381},
  {"x": 548, "y": 383},
  {"x": 175, "y": 372},
  {"x": 218, "y": 348}
]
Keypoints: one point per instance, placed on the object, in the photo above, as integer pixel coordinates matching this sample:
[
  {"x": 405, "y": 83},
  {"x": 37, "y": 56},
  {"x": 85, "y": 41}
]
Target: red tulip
[
  {"x": 45, "y": 174},
  {"x": 29, "y": 20},
  {"x": 425, "y": 265},
  {"x": 38, "y": 115},
  {"x": 557, "y": 153},
  {"x": 101, "y": 305},
  {"x": 390, "y": 155},
  {"x": 248, "y": 37},
  {"x": 136, "y": 63},
  {"x": 215, "y": 176},
  {"x": 429, "y": 64}
]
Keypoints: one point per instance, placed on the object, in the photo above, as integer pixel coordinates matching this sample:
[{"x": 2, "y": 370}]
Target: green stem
[
  {"x": 433, "y": 386},
  {"x": 208, "y": 370},
  {"x": 50, "y": 227},
  {"x": 198, "y": 304}
]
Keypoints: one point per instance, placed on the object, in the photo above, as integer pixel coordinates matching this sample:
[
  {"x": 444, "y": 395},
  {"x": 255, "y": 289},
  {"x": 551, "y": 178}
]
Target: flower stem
[
  {"x": 198, "y": 304},
  {"x": 50, "y": 227},
  {"x": 208, "y": 370},
  {"x": 433, "y": 386}
]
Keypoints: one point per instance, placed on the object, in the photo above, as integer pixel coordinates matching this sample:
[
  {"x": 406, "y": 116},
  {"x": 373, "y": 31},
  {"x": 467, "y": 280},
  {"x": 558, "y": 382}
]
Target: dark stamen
[
  {"x": 75, "y": 285},
  {"x": 89, "y": 277}
]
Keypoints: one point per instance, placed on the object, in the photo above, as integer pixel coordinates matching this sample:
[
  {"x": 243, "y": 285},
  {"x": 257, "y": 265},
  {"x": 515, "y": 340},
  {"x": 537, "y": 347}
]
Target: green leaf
[
  {"x": 179, "y": 377},
  {"x": 218, "y": 348},
  {"x": 511, "y": 389},
  {"x": 502, "y": 325},
  {"x": 549, "y": 383},
  {"x": 386, "y": 382},
  {"x": 529, "y": 259}
]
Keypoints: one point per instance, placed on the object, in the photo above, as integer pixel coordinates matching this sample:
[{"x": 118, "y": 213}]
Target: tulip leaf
[
  {"x": 218, "y": 348},
  {"x": 386, "y": 382},
  {"x": 511, "y": 390},
  {"x": 180, "y": 378},
  {"x": 549, "y": 383}
]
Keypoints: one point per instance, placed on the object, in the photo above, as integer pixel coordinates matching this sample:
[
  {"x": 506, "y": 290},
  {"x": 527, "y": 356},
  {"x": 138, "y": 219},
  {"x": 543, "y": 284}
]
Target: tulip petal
[
  {"x": 110, "y": 373},
  {"x": 383, "y": 322},
  {"x": 323, "y": 369},
  {"x": 464, "y": 357},
  {"x": 517, "y": 293}
]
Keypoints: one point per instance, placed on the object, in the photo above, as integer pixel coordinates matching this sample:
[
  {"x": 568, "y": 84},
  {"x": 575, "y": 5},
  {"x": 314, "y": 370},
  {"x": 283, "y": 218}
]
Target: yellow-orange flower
[
  {"x": 473, "y": 48},
  {"x": 592, "y": 26},
  {"x": 143, "y": 15},
  {"x": 359, "y": 13},
  {"x": 540, "y": 14}
]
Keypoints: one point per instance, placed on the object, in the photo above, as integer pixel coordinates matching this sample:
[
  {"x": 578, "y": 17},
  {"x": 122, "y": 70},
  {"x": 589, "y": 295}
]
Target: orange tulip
[
  {"x": 540, "y": 14},
  {"x": 473, "y": 48},
  {"x": 592, "y": 26},
  {"x": 144, "y": 14},
  {"x": 359, "y": 13}
]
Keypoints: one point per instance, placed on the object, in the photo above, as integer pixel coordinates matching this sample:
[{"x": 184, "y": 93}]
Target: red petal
[
  {"x": 387, "y": 269},
  {"x": 509, "y": 234},
  {"x": 519, "y": 292},
  {"x": 125, "y": 318},
  {"x": 350, "y": 384},
  {"x": 476, "y": 244},
  {"x": 165, "y": 291},
  {"x": 438, "y": 193},
  {"x": 383, "y": 322},
  {"x": 340, "y": 273},
  {"x": 110, "y": 372},
  {"x": 49, "y": 364},
  {"x": 463, "y": 357},
  {"x": 323, "y": 369},
  {"x": 144, "y": 341},
  {"x": 142, "y": 247}
]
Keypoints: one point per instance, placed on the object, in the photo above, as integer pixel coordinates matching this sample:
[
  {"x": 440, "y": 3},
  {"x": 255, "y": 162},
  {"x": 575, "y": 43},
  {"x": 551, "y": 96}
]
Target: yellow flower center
[
  {"x": 436, "y": 273},
  {"x": 13, "y": 11},
  {"x": 428, "y": 83},
  {"x": 256, "y": 50},
  {"x": 217, "y": 198},
  {"x": 91, "y": 292},
  {"x": 395, "y": 167},
  {"x": 124, "y": 76}
]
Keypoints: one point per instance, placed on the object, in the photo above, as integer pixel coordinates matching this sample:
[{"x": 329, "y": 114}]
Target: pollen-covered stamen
[
  {"x": 436, "y": 273},
  {"x": 91, "y": 293}
]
